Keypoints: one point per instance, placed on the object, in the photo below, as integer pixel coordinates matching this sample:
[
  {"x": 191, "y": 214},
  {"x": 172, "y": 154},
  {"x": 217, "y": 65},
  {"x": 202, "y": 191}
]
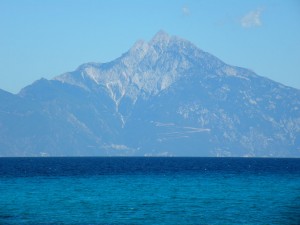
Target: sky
[{"x": 50, "y": 37}]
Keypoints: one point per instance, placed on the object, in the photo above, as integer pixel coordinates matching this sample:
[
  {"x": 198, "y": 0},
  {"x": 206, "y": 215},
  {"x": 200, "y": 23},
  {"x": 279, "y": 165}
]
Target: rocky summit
[{"x": 165, "y": 97}]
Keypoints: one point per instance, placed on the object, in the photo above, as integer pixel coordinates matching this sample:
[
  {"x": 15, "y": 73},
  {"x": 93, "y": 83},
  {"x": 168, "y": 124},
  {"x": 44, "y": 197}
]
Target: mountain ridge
[{"x": 162, "y": 97}]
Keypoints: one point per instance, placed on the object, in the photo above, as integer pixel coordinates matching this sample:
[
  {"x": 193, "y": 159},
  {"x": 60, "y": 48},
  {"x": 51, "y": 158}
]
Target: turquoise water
[{"x": 156, "y": 193}]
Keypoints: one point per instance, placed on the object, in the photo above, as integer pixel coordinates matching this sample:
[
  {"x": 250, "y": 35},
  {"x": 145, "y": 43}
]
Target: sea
[{"x": 149, "y": 190}]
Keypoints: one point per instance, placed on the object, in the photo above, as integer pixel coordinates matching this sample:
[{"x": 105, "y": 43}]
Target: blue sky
[{"x": 47, "y": 38}]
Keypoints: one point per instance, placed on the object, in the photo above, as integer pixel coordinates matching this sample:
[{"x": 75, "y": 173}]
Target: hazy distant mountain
[{"x": 163, "y": 97}]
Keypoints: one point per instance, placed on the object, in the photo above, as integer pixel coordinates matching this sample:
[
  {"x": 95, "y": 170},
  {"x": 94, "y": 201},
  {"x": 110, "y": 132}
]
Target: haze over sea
[{"x": 145, "y": 190}]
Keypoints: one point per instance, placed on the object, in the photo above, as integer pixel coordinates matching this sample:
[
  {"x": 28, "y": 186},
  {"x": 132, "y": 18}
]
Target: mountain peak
[{"x": 161, "y": 36}]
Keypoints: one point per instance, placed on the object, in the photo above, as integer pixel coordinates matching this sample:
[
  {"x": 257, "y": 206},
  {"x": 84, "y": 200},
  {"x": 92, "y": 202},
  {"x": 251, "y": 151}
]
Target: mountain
[{"x": 165, "y": 97}]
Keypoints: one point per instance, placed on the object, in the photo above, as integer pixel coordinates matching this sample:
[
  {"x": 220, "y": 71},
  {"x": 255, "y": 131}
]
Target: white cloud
[
  {"x": 252, "y": 19},
  {"x": 185, "y": 10}
]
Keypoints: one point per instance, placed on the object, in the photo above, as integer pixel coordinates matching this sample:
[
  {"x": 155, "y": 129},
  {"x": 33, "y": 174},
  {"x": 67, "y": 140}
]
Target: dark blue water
[{"x": 149, "y": 191}]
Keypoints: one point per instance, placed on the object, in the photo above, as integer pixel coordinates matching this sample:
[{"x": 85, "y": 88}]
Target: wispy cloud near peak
[
  {"x": 252, "y": 19},
  {"x": 185, "y": 10}
]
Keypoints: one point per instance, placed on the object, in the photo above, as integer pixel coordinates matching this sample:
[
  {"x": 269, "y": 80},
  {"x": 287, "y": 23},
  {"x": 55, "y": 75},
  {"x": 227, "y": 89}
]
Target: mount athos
[{"x": 165, "y": 97}]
